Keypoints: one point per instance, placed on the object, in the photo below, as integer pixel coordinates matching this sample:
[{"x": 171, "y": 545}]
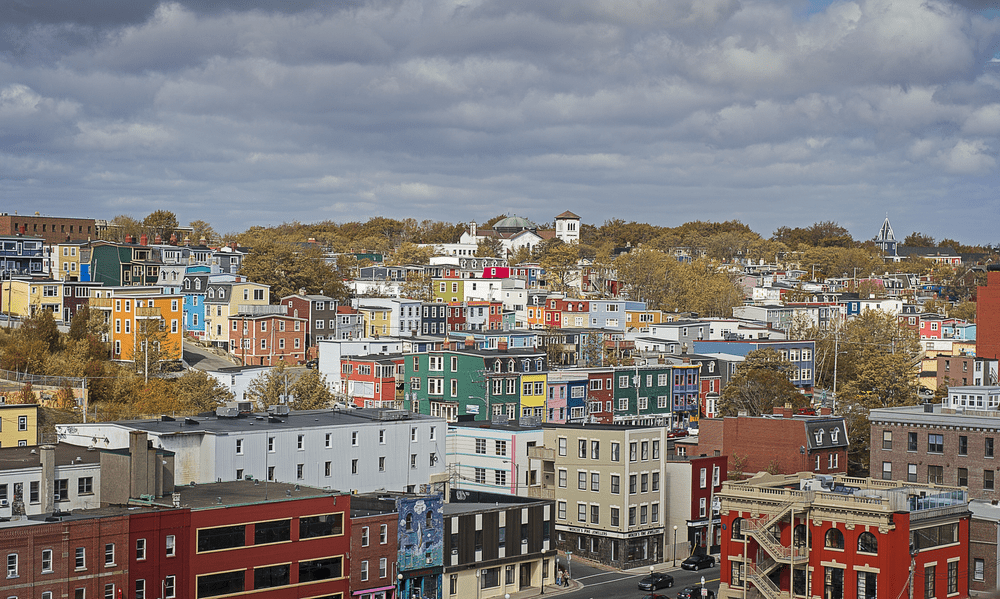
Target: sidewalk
[{"x": 550, "y": 589}]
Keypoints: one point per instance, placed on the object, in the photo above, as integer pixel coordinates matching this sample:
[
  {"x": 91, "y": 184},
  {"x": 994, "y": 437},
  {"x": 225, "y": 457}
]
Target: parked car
[
  {"x": 695, "y": 593},
  {"x": 654, "y": 596},
  {"x": 656, "y": 580},
  {"x": 312, "y": 363},
  {"x": 697, "y": 562},
  {"x": 677, "y": 433}
]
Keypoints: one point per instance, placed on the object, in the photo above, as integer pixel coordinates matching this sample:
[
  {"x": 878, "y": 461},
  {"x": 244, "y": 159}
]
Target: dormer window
[
  {"x": 834, "y": 433},
  {"x": 818, "y": 434}
]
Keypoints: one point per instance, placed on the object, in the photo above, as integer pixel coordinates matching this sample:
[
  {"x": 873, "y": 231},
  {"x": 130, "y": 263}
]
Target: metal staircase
[{"x": 766, "y": 531}]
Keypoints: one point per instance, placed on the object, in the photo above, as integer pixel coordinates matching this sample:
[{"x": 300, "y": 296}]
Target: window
[
  {"x": 22, "y": 423},
  {"x": 935, "y": 443},
  {"x": 364, "y": 569},
  {"x": 615, "y": 484},
  {"x": 171, "y": 545},
  {"x": 952, "y": 577},
  {"x": 12, "y": 565},
  {"x": 867, "y": 585},
  {"x": 833, "y": 583},
  {"x": 383, "y": 534},
  {"x": 381, "y": 464},
  {"x": 481, "y": 476},
  {"x": 46, "y": 560},
  {"x": 911, "y": 441},
  {"x": 595, "y": 450},
  {"x": 935, "y": 474},
  {"x": 645, "y": 450},
  {"x": 80, "y": 558},
  {"x": 481, "y": 446},
  {"x": 656, "y": 449},
  {"x": 325, "y": 525},
  {"x": 561, "y": 510},
  {"x": 633, "y": 451},
  {"x": 930, "y": 584},
  {"x": 85, "y": 485},
  {"x": 581, "y": 482},
  {"x": 886, "y": 470},
  {"x": 656, "y": 482},
  {"x": 581, "y": 513},
  {"x": 109, "y": 590},
  {"x": 383, "y": 564},
  {"x": 140, "y": 589},
  {"x": 615, "y": 516},
  {"x": 563, "y": 476},
  {"x": 834, "y": 539},
  {"x": 500, "y": 448},
  {"x": 631, "y": 516},
  {"x": 989, "y": 447},
  {"x": 109, "y": 554},
  {"x": 963, "y": 477},
  {"x": 988, "y": 480},
  {"x": 595, "y": 481},
  {"x": 911, "y": 473},
  {"x": 867, "y": 543},
  {"x": 963, "y": 445},
  {"x": 979, "y": 569},
  {"x": 595, "y": 514},
  {"x": 221, "y": 537},
  {"x": 632, "y": 483},
  {"x": 886, "y": 439}
]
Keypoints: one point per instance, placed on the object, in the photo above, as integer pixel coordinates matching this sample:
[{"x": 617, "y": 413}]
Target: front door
[{"x": 525, "y": 575}]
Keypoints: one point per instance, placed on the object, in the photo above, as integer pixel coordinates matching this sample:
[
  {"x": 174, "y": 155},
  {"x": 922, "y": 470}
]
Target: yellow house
[
  {"x": 67, "y": 262},
  {"x": 449, "y": 290},
  {"x": 18, "y": 425},
  {"x": 223, "y": 299},
  {"x": 24, "y": 298},
  {"x": 377, "y": 320},
  {"x": 640, "y": 319},
  {"x": 533, "y": 394}
]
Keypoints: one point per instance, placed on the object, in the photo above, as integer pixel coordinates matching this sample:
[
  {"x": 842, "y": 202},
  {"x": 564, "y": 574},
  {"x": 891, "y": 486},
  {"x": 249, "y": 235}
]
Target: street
[{"x": 605, "y": 584}]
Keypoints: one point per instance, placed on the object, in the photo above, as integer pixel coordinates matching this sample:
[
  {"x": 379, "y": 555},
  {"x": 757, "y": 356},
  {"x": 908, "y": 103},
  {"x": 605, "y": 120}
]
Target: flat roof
[
  {"x": 248, "y": 423},
  {"x": 244, "y": 492},
  {"x": 16, "y": 458}
]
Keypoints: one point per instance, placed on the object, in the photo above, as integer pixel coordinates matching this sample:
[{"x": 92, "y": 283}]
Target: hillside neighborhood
[{"x": 398, "y": 409}]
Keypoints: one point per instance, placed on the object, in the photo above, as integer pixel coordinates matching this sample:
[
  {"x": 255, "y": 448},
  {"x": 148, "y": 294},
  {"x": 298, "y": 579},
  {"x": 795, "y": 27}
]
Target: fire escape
[{"x": 773, "y": 555}]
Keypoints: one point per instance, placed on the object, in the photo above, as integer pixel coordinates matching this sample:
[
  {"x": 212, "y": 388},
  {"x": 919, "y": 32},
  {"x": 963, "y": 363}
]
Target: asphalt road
[
  {"x": 197, "y": 357},
  {"x": 602, "y": 584}
]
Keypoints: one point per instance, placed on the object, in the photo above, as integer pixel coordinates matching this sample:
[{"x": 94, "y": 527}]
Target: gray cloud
[{"x": 255, "y": 112}]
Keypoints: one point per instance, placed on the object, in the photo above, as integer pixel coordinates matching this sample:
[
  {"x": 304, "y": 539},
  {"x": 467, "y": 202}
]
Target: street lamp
[
  {"x": 399, "y": 585},
  {"x": 675, "y": 545}
]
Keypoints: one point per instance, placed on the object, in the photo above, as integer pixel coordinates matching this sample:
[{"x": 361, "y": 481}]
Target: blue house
[{"x": 193, "y": 287}]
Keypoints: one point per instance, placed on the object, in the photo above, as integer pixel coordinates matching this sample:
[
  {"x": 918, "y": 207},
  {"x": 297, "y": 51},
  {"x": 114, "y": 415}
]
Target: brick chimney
[
  {"x": 128, "y": 239},
  {"x": 144, "y": 239},
  {"x": 24, "y": 229},
  {"x": 173, "y": 239},
  {"x": 158, "y": 239},
  {"x": 825, "y": 412},
  {"x": 502, "y": 345},
  {"x": 783, "y": 411}
]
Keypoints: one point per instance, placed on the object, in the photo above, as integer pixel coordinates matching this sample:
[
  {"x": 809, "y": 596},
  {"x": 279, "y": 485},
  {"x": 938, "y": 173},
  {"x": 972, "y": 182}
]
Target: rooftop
[
  {"x": 14, "y": 458},
  {"x": 294, "y": 420}
]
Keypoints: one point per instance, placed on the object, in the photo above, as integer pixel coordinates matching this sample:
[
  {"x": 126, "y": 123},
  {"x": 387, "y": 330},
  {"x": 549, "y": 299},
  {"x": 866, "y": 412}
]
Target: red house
[
  {"x": 370, "y": 381},
  {"x": 600, "y": 395},
  {"x": 157, "y": 563},
  {"x": 842, "y": 538},
  {"x": 456, "y": 316},
  {"x": 496, "y": 272},
  {"x": 694, "y": 481},
  {"x": 267, "y": 339}
]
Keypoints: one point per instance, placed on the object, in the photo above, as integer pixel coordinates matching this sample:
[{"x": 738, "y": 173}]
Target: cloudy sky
[{"x": 783, "y": 112}]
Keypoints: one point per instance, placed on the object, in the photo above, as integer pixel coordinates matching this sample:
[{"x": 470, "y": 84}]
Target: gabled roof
[{"x": 568, "y": 214}]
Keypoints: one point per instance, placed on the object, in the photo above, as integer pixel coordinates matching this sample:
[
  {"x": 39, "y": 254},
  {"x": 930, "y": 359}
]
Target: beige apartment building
[{"x": 609, "y": 487}]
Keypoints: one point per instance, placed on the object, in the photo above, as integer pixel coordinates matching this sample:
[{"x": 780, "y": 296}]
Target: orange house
[{"x": 130, "y": 317}]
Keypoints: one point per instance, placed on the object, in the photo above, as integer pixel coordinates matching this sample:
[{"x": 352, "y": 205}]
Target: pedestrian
[{"x": 559, "y": 577}]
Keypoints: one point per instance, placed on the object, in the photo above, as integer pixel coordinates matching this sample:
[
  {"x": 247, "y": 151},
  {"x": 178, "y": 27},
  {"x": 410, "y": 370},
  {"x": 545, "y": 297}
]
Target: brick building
[
  {"x": 783, "y": 442},
  {"x": 842, "y": 538},
  {"x": 984, "y": 536},
  {"x": 374, "y": 543},
  {"x": 267, "y": 339},
  {"x": 988, "y": 315},
  {"x": 78, "y": 556},
  {"x": 951, "y": 443},
  {"x": 52, "y": 229}
]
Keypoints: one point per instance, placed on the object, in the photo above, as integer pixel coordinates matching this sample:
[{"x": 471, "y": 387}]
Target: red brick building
[
  {"x": 52, "y": 229},
  {"x": 80, "y": 556},
  {"x": 988, "y": 315},
  {"x": 784, "y": 443},
  {"x": 695, "y": 479},
  {"x": 842, "y": 538},
  {"x": 267, "y": 339},
  {"x": 373, "y": 549},
  {"x": 156, "y": 553}
]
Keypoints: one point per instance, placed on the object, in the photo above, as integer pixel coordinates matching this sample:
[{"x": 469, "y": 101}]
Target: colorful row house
[{"x": 373, "y": 381}]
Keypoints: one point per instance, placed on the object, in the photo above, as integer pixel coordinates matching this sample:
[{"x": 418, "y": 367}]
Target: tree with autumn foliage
[{"x": 762, "y": 382}]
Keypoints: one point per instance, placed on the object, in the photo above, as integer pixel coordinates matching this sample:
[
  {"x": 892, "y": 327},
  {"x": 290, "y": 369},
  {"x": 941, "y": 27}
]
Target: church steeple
[{"x": 886, "y": 240}]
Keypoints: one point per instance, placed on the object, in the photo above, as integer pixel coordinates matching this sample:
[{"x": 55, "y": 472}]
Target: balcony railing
[
  {"x": 101, "y": 302},
  {"x": 541, "y": 453}
]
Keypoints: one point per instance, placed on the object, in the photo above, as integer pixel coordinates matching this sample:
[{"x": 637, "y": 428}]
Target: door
[{"x": 525, "y": 575}]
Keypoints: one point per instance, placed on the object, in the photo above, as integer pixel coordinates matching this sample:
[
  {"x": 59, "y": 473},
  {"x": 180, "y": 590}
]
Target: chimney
[
  {"x": 128, "y": 239},
  {"x": 473, "y": 228},
  {"x": 502, "y": 345},
  {"x": 202, "y": 240},
  {"x": 233, "y": 246},
  {"x": 158, "y": 240},
  {"x": 187, "y": 241},
  {"x": 48, "y": 463},
  {"x": 783, "y": 411},
  {"x": 24, "y": 229},
  {"x": 138, "y": 450},
  {"x": 825, "y": 412},
  {"x": 144, "y": 239},
  {"x": 173, "y": 239}
]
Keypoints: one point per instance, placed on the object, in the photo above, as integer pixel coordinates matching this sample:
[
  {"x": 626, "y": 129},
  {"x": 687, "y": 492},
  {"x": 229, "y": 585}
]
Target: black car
[
  {"x": 655, "y": 581},
  {"x": 694, "y": 593},
  {"x": 312, "y": 363},
  {"x": 697, "y": 562}
]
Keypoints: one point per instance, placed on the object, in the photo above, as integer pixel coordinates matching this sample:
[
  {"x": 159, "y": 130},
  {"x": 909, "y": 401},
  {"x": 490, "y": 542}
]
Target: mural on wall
[{"x": 421, "y": 532}]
